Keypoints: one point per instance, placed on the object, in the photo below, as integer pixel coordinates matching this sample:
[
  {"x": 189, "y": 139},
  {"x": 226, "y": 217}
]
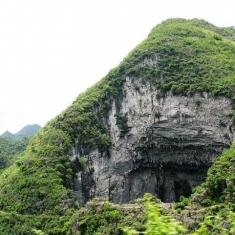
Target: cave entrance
[{"x": 182, "y": 188}]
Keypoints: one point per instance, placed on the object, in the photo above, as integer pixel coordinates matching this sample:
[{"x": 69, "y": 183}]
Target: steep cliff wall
[{"x": 160, "y": 144}]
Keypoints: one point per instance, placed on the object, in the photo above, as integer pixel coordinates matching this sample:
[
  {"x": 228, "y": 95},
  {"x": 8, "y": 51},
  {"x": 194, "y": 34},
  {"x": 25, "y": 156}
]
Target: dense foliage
[
  {"x": 97, "y": 217},
  {"x": 180, "y": 56},
  {"x": 192, "y": 56},
  {"x": 157, "y": 223},
  {"x": 9, "y": 149},
  {"x": 17, "y": 224}
]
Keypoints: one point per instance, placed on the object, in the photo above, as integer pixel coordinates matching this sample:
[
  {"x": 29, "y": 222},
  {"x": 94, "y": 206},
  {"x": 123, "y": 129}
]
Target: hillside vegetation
[
  {"x": 10, "y": 149},
  {"x": 192, "y": 56}
]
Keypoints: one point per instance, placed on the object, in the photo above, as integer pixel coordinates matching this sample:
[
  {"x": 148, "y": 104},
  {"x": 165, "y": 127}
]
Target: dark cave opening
[{"x": 182, "y": 188}]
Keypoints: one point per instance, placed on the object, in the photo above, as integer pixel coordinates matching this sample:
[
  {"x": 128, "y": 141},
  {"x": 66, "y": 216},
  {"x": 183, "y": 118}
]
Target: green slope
[
  {"x": 194, "y": 56},
  {"x": 9, "y": 149}
]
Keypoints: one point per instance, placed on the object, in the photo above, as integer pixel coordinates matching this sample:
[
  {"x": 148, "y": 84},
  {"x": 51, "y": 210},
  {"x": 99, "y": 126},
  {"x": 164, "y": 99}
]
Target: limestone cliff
[{"x": 163, "y": 145}]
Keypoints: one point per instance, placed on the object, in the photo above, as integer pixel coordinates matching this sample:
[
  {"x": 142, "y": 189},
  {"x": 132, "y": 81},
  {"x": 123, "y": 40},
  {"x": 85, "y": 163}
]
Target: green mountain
[
  {"x": 9, "y": 149},
  {"x": 154, "y": 124},
  {"x": 26, "y": 131},
  {"x": 7, "y": 134}
]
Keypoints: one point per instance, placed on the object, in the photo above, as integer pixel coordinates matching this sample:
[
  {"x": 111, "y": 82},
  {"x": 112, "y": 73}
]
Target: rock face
[{"x": 160, "y": 144}]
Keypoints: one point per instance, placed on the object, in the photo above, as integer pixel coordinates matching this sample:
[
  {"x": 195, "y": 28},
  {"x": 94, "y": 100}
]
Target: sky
[{"x": 52, "y": 50}]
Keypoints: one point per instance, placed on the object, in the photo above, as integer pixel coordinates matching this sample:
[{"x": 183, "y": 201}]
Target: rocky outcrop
[{"x": 162, "y": 144}]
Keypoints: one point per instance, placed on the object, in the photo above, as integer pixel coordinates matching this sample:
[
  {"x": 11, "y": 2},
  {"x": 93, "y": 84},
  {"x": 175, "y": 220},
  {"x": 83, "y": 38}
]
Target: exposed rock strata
[{"x": 166, "y": 148}]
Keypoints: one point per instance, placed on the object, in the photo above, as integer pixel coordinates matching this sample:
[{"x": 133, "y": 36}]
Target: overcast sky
[{"x": 52, "y": 50}]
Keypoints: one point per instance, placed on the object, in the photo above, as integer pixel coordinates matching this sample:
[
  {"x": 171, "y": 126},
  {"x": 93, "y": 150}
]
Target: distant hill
[
  {"x": 8, "y": 134},
  {"x": 26, "y": 131},
  {"x": 13, "y": 144}
]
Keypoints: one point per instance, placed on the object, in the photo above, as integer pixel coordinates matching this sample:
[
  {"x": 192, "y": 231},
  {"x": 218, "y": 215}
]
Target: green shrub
[
  {"x": 158, "y": 223},
  {"x": 122, "y": 120}
]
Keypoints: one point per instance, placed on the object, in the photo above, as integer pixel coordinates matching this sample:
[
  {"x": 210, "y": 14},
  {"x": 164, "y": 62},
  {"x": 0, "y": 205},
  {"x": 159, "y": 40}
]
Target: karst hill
[
  {"x": 26, "y": 131},
  {"x": 155, "y": 123}
]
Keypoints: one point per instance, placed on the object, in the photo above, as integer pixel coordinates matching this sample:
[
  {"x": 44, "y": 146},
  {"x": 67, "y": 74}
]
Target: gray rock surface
[{"x": 166, "y": 147}]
